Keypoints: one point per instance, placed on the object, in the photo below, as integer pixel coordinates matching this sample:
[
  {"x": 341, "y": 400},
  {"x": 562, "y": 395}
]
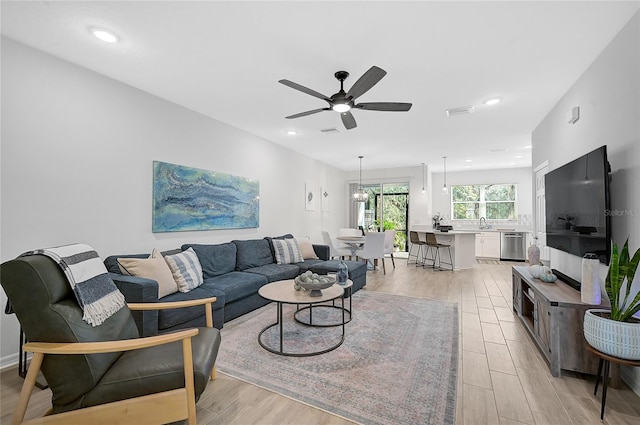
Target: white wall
[
  {"x": 608, "y": 94},
  {"x": 77, "y": 152},
  {"x": 519, "y": 176}
]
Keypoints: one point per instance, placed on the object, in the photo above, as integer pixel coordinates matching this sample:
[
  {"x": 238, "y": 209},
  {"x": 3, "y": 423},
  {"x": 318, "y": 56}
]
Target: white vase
[
  {"x": 618, "y": 339},
  {"x": 590, "y": 292},
  {"x": 533, "y": 253}
]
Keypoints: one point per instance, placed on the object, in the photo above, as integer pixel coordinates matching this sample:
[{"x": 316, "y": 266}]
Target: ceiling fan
[{"x": 343, "y": 102}]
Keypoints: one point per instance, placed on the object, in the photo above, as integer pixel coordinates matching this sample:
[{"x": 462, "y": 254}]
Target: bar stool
[
  {"x": 605, "y": 363},
  {"x": 432, "y": 243},
  {"x": 415, "y": 241}
]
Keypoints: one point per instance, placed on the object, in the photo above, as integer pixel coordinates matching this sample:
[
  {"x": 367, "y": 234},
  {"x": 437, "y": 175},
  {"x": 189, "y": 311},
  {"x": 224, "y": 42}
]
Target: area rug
[{"x": 397, "y": 365}]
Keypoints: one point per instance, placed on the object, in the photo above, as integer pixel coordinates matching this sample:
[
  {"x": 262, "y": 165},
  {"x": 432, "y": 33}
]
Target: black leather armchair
[{"x": 104, "y": 374}]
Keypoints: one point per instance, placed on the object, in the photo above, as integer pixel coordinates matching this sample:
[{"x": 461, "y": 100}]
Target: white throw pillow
[
  {"x": 306, "y": 248},
  {"x": 154, "y": 268}
]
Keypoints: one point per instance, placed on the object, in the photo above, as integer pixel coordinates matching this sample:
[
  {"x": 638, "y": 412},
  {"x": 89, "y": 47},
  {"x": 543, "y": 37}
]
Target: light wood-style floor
[{"x": 503, "y": 379}]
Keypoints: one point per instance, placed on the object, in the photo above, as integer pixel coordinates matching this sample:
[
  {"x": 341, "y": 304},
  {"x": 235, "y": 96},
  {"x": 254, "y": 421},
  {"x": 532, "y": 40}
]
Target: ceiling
[{"x": 224, "y": 60}]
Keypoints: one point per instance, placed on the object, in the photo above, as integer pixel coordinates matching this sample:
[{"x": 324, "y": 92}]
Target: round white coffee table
[{"x": 282, "y": 292}]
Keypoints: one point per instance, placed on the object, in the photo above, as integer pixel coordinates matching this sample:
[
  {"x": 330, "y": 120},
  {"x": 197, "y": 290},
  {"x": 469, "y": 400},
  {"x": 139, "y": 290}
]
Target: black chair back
[{"x": 47, "y": 310}]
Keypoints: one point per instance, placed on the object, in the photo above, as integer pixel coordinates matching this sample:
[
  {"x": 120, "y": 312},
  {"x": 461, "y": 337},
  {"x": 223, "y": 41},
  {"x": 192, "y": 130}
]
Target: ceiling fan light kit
[{"x": 343, "y": 102}]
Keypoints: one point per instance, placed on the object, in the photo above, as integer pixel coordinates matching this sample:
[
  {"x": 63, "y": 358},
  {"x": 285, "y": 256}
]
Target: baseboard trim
[{"x": 11, "y": 360}]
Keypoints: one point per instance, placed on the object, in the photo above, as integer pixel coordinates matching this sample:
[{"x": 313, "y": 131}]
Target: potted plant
[{"x": 615, "y": 331}]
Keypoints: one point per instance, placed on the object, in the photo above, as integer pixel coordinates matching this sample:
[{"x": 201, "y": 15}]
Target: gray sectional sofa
[{"x": 233, "y": 272}]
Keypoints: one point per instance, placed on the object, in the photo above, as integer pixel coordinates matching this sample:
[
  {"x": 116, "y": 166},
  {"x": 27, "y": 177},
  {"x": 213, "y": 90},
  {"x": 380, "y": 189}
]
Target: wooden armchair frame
[{"x": 164, "y": 407}]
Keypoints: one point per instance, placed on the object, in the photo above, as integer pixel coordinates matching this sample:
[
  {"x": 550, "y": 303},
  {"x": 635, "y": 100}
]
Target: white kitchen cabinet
[{"x": 488, "y": 245}]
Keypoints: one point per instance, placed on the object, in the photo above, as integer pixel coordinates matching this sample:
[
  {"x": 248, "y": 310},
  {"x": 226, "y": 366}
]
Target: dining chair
[
  {"x": 389, "y": 238},
  {"x": 433, "y": 244},
  {"x": 373, "y": 248},
  {"x": 349, "y": 232},
  {"x": 334, "y": 248},
  {"x": 417, "y": 243}
]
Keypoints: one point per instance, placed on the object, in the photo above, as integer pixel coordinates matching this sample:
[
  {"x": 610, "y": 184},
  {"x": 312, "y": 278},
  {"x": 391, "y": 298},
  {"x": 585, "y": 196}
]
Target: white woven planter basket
[{"x": 618, "y": 339}]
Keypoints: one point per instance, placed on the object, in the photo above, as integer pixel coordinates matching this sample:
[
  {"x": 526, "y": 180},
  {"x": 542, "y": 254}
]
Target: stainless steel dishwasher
[{"x": 513, "y": 246}]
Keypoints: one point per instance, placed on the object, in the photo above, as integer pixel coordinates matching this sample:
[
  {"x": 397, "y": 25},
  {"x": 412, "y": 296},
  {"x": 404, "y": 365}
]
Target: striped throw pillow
[
  {"x": 287, "y": 251},
  {"x": 186, "y": 269}
]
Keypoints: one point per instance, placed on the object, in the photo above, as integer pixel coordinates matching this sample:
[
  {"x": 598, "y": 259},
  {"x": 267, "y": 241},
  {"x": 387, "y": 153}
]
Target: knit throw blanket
[{"x": 96, "y": 293}]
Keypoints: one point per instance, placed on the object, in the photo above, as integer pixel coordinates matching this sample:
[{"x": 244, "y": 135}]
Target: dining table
[{"x": 353, "y": 243}]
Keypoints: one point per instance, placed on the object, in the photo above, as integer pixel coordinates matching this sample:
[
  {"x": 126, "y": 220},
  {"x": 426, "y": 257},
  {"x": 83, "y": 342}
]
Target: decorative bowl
[{"x": 314, "y": 284}]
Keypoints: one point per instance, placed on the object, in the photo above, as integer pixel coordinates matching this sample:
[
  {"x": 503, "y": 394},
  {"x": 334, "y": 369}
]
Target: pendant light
[
  {"x": 360, "y": 195},
  {"x": 445, "y": 190},
  {"x": 423, "y": 191}
]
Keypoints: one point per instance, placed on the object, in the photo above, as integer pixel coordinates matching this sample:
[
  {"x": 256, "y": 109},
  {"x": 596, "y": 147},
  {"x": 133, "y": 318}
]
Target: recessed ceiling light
[
  {"x": 528, "y": 147},
  {"x": 518, "y": 156},
  {"x": 492, "y": 101},
  {"x": 292, "y": 132},
  {"x": 104, "y": 35},
  {"x": 467, "y": 166},
  {"x": 467, "y": 160}
]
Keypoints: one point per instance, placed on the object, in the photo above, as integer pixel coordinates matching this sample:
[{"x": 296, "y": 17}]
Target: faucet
[{"x": 483, "y": 223}]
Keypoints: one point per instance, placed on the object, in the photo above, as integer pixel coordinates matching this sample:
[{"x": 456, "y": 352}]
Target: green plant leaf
[
  {"x": 611, "y": 283},
  {"x": 620, "y": 280},
  {"x": 633, "y": 265}
]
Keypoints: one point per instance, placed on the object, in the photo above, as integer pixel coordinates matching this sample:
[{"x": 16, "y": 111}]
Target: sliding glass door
[{"x": 386, "y": 209}]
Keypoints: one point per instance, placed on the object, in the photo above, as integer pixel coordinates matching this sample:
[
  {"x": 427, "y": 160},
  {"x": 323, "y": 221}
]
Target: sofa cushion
[
  {"x": 356, "y": 268},
  {"x": 308, "y": 264},
  {"x": 287, "y": 251},
  {"x": 186, "y": 269},
  {"x": 215, "y": 260},
  {"x": 275, "y": 272},
  {"x": 175, "y": 317},
  {"x": 154, "y": 267},
  {"x": 237, "y": 285},
  {"x": 252, "y": 253}
]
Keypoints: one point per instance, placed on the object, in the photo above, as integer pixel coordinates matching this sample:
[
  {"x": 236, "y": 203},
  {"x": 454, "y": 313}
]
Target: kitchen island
[{"x": 463, "y": 245}]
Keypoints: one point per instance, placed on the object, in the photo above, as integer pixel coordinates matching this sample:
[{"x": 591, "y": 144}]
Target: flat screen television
[{"x": 577, "y": 206}]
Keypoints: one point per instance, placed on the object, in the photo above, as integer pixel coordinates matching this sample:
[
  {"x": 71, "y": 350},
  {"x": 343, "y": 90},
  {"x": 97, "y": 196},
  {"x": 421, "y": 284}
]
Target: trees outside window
[{"x": 491, "y": 201}]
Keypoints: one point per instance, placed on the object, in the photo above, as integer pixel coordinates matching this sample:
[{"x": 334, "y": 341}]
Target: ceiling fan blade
[
  {"x": 384, "y": 106},
  {"x": 348, "y": 120},
  {"x": 304, "y": 89},
  {"x": 368, "y": 80},
  {"x": 304, "y": 114}
]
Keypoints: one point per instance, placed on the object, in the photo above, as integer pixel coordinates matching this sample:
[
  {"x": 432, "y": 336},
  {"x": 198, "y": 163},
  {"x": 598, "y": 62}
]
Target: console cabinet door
[{"x": 542, "y": 327}]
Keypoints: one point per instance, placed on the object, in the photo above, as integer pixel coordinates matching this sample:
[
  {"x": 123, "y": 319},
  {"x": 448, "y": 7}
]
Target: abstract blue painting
[{"x": 186, "y": 198}]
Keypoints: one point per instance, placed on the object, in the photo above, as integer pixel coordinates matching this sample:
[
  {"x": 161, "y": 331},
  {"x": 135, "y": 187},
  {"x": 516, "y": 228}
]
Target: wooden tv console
[{"x": 553, "y": 314}]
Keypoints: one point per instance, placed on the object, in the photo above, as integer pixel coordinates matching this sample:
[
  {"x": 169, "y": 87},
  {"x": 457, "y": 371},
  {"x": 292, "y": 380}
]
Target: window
[{"x": 491, "y": 201}]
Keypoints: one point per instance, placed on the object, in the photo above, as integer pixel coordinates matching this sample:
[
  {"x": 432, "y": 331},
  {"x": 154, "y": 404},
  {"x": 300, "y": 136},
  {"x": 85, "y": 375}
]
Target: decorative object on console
[
  {"x": 533, "y": 253},
  {"x": 186, "y": 198},
  {"x": 590, "y": 291},
  {"x": 616, "y": 332}
]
